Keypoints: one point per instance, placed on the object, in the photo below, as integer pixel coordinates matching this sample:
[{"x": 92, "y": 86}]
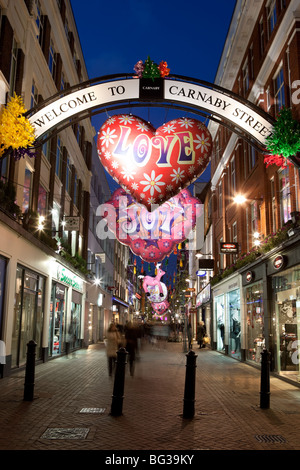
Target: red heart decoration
[{"x": 153, "y": 165}]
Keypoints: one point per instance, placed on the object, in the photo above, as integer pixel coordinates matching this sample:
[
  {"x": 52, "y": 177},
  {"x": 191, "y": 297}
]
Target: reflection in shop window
[
  {"x": 255, "y": 340},
  {"x": 286, "y": 321}
]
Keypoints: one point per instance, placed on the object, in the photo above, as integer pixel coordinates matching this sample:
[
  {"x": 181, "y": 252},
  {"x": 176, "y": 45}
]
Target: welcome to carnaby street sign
[{"x": 217, "y": 103}]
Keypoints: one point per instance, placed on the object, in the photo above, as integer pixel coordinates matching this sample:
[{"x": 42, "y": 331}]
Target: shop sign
[
  {"x": 249, "y": 276},
  {"x": 71, "y": 223},
  {"x": 203, "y": 296},
  {"x": 201, "y": 273},
  {"x": 229, "y": 248},
  {"x": 207, "y": 264},
  {"x": 68, "y": 277},
  {"x": 279, "y": 262}
]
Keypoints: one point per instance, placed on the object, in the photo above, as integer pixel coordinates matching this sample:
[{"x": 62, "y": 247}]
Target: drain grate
[
  {"x": 93, "y": 410},
  {"x": 65, "y": 433},
  {"x": 270, "y": 438}
]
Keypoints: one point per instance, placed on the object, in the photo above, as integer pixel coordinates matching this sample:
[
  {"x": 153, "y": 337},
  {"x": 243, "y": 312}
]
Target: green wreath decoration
[{"x": 285, "y": 140}]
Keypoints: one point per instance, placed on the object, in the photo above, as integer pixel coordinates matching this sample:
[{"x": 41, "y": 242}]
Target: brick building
[{"x": 254, "y": 301}]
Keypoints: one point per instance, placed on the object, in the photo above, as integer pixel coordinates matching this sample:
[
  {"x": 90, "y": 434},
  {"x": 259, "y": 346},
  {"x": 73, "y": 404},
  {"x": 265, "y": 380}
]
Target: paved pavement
[{"x": 73, "y": 395}]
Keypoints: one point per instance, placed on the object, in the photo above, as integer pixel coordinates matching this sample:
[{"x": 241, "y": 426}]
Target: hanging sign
[
  {"x": 279, "y": 262},
  {"x": 229, "y": 248}
]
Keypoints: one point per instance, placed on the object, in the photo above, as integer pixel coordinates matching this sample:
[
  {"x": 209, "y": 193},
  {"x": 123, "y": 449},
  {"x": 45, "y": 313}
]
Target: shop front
[
  {"x": 203, "y": 305},
  {"x": 227, "y": 322},
  {"x": 284, "y": 282},
  {"x": 28, "y": 315},
  {"x": 66, "y": 311}
]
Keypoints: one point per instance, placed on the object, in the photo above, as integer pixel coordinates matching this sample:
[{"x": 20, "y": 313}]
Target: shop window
[
  {"x": 286, "y": 321},
  {"x": 29, "y": 312},
  {"x": 57, "y": 324},
  {"x": 234, "y": 310},
  {"x": 220, "y": 319},
  {"x": 255, "y": 339}
]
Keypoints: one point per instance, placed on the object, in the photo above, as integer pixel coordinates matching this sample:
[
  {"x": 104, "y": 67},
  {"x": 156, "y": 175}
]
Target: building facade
[
  {"x": 255, "y": 291},
  {"x": 43, "y": 259}
]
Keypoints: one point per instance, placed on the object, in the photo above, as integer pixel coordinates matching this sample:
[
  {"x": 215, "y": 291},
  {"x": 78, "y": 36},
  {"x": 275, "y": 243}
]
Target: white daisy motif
[
  {"x": 169, "y": 128},
  {"x": 135, "y": 186},
  {"x": 169, "y": 187},
  {"x": 178, "y": 175},
  {"x": 111, "y": 120},
  {"x": 141, "y": 126},
  {"x": 202, "y": 142},
  {"x": 124, "y": 119},
  {"x": 108, "y": 136},
  {"x": 115, "y": 164},
  {"x": 107, "y": 155},
  {"x": 151, "y": 200},
  {"x": 142, "y": 196},
  {"x": 128, "y": 173},
  {"x": 185, "y": 122},
  {"x": 152, "y": 182},
  {"x": 191, "y": 169}
]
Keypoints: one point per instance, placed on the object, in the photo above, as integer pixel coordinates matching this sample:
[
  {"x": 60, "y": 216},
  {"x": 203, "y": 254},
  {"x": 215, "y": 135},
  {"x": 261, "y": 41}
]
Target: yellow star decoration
[{"x": 15, "y": 129}]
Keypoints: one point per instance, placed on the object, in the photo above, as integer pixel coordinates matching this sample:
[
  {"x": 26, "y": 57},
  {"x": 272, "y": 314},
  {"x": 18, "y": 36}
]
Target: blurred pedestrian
[
  {"x": 112, "y": 344},
  {"x": 131, "y": 336},
  {"x": 200, "y": 334}
]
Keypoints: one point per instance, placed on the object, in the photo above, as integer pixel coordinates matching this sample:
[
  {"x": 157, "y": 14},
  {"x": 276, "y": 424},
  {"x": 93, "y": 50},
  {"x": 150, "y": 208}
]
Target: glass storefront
[
  {"x": 255, "y": 340},
  {"x": 28, "y": 314},
  {"x": 286, "y": 321},
  {"x": 220, "y": 317},
  {"x": 57, "y": 331},
  {"x": 2, "y": 289},
  {"x": 234, "y": 310}
]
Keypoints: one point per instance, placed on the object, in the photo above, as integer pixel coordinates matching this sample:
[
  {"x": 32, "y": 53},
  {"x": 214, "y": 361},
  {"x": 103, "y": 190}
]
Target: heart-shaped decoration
[{"x": 153, "y": 165}]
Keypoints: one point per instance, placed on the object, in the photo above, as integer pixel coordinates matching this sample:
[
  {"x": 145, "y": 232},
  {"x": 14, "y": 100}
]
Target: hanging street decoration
[
  {"x": 160, "y": 307},
  {"x": 150, "y": 235},
  {"x": 150, "y": 69},
  {"x": 16, "y": 132},
  {"x": 154, "y": 288},
  {"x": 284, "y": 142},
  {"x": 153, "y": 165}
]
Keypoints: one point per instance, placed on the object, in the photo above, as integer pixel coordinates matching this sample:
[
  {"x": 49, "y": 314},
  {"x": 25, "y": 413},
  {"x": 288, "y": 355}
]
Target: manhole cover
[
  {"x": 270, "y": 438},
  {"x": 93, "y": 410},
  {"x": 65, "y": 433}
]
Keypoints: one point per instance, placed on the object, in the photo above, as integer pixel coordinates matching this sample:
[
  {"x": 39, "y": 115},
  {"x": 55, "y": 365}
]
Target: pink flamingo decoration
[{"x": 154, "y": 281}]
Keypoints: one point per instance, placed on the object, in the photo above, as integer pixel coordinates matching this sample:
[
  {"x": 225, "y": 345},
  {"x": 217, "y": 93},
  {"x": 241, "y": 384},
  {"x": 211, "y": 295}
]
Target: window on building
[
  {"x": 234, "y": 238},
  {"x": 42, "y": 201},
  {"x": 232, "y": 176},
  {"x": 273, "y": 205},
  {"x": 220, "y": 202},
  {"x": 27, "y": 190},
  {"x": 285, "y": 195},
  {"x": 254, "y": 217},
  {"x": 75, "y": 194},
  {"x": 4, "y": 166},
  {"x": 252, "y": 156},
  {"x": 279, "y": 95},
  {"x": 39, "y": 20},
  {"x": 62, "y": 82},
  {"x": 59, "y": 158},
  {"x": 34, "y": 95},
  {"x": 13, "y": 67},
  {"x": 68, "y": 175},
  {"x": 46, "y": 149},
  {"x": 52, "y": 59},
  {"x": 245, "y": 76},
  {"x": 221, "y": 263},
  {"x": 251, "y": 64},
  {"x": 271, "y": 16}
]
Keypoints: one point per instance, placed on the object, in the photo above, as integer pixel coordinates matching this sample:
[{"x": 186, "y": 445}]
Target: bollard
[
  {"x": 118, "y": 392},
  {"x": 189, "y": 390},
  {"x": 30, "y": 371},
  {"x": 265, "y": 380}
]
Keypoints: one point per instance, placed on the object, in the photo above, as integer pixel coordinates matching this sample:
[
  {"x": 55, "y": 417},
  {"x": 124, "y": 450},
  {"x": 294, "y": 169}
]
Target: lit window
[{"x": 279, "y": 96}]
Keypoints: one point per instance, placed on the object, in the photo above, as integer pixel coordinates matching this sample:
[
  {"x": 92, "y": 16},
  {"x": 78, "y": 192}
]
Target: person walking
[
  {"x": 200, "y": 333},
  {"x": 190, "y": 335},
  {"x": 131, "y": 336},
  {"x": 112, "y": 344}
]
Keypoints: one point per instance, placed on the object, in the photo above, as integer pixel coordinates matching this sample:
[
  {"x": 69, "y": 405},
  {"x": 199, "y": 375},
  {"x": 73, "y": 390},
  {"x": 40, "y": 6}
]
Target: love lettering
[{"x": 141, "y": 147}]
